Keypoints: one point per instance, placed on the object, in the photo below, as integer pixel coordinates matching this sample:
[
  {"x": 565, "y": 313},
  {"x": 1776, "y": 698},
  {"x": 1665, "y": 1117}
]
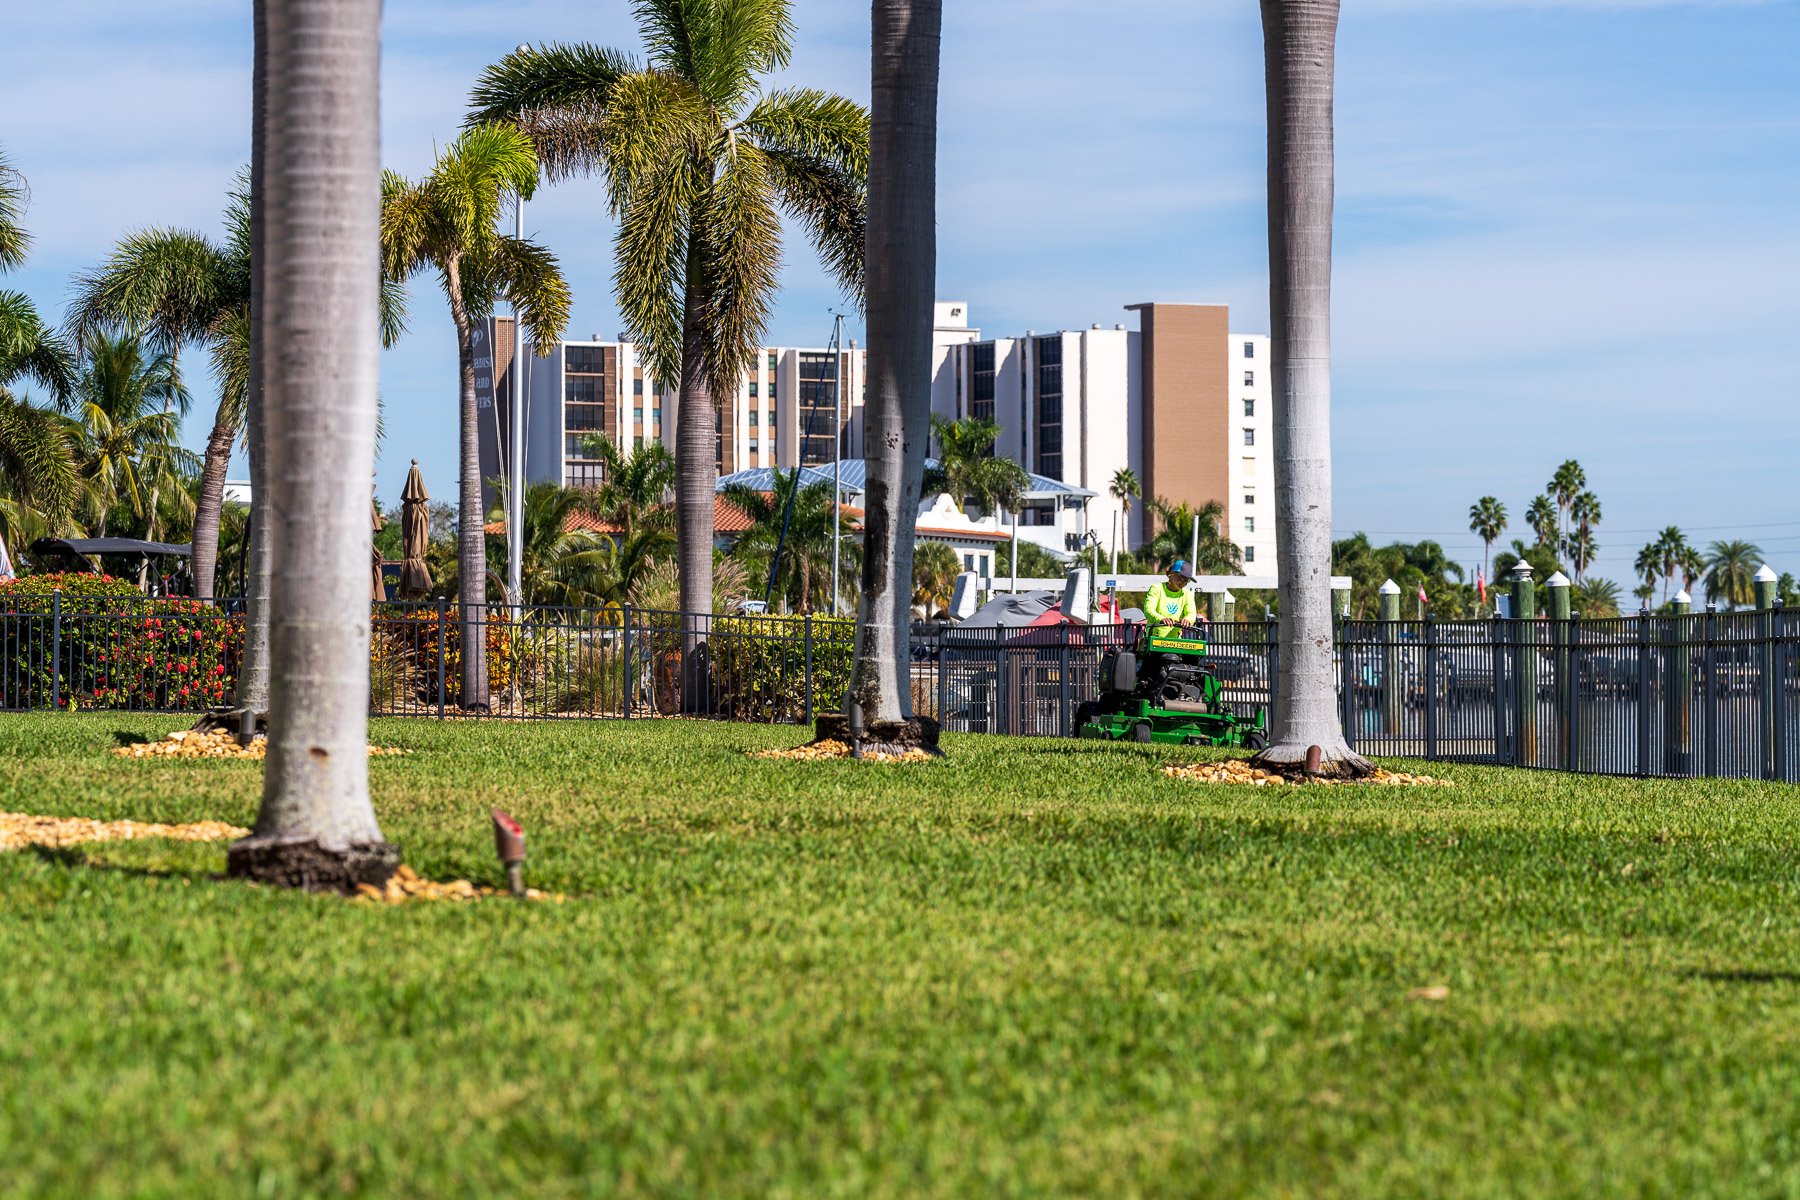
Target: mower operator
[{"x": 1169, "y": 605}]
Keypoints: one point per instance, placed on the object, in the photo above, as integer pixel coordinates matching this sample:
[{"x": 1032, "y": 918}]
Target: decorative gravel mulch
[
  {"x": 829, "y": 748},
  {"x": 19, "y": 830},
  {"x": 406, "y": 884},
  {"x": 1238, "y": 770},
  {"x": 189, "y": 743}
]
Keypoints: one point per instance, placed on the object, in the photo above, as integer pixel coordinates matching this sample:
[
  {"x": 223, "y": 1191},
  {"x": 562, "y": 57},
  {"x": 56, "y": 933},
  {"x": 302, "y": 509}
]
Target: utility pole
[{"x": 837, "y": 454}]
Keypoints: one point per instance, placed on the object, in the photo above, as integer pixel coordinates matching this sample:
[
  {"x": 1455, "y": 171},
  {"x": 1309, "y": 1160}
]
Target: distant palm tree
[
  {"x": 1124, "y": 488},
  {"x": 1541, "y": 517},
  {"x": 559, "y": 566},
  {"x": 968, "y": 470},
  {"x": 1731, "y": 572},
  {"x": 1487, "y": 521},
  {"x": 1692, "y": 564},
  {"x": 1564, "y": 486},
  {"x": 1596, "y": 598},
  {"x": 803, "y": 576},
  {"x": 935, "y": 569},
  {"x": 1216, "y": 554},
  {"x": 129, "y": 410},
  {"x": 634, "y": 498},
  {"x": 1580, "y": 544},
  {"x": 37, "y": 462},
  {"x": 1648, "y": 565},
  {"x": 700, "y": 163},
  {"x": 447, "y": 222},
  {"x": 1672, "y": 551}
]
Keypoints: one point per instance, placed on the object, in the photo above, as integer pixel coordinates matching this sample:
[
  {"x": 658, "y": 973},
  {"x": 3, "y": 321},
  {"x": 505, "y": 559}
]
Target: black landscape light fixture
[
  {"x": 509, "y": 842},
  {"x": 856, "y": 729}
]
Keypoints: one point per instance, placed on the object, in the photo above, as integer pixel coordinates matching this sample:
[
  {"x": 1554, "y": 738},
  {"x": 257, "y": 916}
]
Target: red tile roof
[{"x": 727, "y": 518}]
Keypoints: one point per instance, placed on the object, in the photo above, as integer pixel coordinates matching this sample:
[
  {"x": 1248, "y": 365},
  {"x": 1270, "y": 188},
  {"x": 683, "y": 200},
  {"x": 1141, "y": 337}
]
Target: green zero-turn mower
[{"x": 1164, "y": 691}]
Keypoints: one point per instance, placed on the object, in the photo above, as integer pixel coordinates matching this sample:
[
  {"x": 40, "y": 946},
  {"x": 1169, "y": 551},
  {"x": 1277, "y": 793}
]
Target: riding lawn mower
[{"x": 1164, "y": 691}]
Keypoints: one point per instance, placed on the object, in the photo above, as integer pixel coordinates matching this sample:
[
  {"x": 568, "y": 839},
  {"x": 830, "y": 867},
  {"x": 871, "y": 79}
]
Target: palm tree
[
  {"x": 802, "y": 578},
  {"x": 1487, "y": 521},
  {"x": 1731, "y": 572},
  {"x": 1692, "y": 565},
  {"x": 1596, "y": 598},
  {"x": 37, "y": 461},
  {"x": 935, "y": 570},
  {"x": 967, "y": 469},
  {"x": 321, "y": 284},
  {"x": 1672, "y": 552},
  {"x": 559, "y": 565},
  {"x": 1580, "y": 545},
  {"x": 1299, "y": 48},
  {"x": 1213, "y": 553},
  {"x": 1648, "y": 565},
  {"x": 28, "y": 347},
  {"x": 1124, "y": 488},
  {"x": 447, "y": 222},
  {"x": 700, "y": 163},
  {"x": 634, "y": 501},
  {"x": 1541, "y": 517},
  {"x": 1564, "y": 486},
  {"x": 129, "y": 412}
]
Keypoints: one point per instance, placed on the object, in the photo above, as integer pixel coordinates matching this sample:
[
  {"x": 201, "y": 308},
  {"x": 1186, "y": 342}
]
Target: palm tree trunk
[
  {"x": 203, "y": 555},
  {"x": 696, "y": 476},
  {"x": 901, "y": 251},
  {"x": 1299, "y": 38},
  {"x": 253, "y": 670},
  {"x": 317, "y": 828},
  {"x": 471, "y": 541}
]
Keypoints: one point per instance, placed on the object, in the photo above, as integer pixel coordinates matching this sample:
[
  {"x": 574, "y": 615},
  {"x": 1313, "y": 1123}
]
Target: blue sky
[{"x": 1566, "y": 228}]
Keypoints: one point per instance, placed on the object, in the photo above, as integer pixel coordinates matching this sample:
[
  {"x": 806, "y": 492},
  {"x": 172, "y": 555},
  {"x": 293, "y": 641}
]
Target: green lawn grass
[{"x": 1036, "y": 969}]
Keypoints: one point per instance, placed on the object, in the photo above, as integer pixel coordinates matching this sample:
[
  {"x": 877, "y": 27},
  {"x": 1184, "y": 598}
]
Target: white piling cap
[
  {"x": 1390, "y": 588},
  {"x": 1557, "y": 580},
  {"x": 1764, "y": 574},
  {"x": 1682, "y": 597},
  {"x": 1521, "y": 570}
]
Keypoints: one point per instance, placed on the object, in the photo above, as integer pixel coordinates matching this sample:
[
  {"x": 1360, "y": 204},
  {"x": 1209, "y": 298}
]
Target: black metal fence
[{"x": 1711, "y": 694}]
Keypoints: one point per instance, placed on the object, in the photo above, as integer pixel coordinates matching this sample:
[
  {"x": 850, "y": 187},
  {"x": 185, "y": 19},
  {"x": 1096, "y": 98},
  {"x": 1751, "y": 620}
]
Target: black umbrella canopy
[{"x": 110, "y": 545}]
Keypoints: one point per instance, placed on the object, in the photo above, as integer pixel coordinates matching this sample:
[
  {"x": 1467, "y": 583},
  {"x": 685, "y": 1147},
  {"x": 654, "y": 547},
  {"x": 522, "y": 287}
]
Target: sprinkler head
[
  {"x": 509, "y": 843},
  {"x": 1313, "y": 755},
  {"x": 855, "y": 720}
]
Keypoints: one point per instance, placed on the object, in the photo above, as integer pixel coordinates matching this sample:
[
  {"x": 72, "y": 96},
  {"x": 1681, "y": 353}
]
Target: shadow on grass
[
  {"x": 76, "y": 857},
  {"x": 124, "y": 737},
  {"x": 1743, "y": 976}
]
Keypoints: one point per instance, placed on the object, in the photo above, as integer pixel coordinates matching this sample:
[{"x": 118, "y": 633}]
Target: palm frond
[
  {"x": 813, "y": 124},
  {"x": 408, "y": 223},
  {"x": 672, "y": 31},
  {"x": 556, "y": 95},
  {"x": 741, "y": 261},
  {"x": 230, "y": 354},
  {"x": 29, "y": 349},
  {"x": 37, "y": 459},
  {"x": 833, "y": 209},
  {"x": 15, "y": 196},
  {"x": 527, "y": 274},
  {"x": 650, "y": 267},
  {"x": 742, "y": 40},
  {"x": 168, "y": 285}
]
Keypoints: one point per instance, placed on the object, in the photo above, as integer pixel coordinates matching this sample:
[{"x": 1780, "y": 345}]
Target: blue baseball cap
[{"x": 1180, "y": 567}]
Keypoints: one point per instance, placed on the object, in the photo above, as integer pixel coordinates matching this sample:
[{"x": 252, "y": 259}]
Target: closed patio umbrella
[
  {"x": 377, "y": 592},
  {"x": 415, "y": 533}
]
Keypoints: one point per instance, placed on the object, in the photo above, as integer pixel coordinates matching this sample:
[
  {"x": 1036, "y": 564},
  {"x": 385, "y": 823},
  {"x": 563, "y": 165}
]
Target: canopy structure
[{"x": 108, "y": 546}]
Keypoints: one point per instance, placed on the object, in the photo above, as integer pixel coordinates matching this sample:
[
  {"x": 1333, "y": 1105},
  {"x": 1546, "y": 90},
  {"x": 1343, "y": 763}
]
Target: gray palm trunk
[
  {"x": 471, "y": 540},
  {"x": 1299, "y": 42},
  {"x": 321, "y": 274},
  {"x": 203, "y": 556},
  {"x": 253, "y": 671},
  {"x": 901, "y": 254},
  {"x": 696, "y": 478}
]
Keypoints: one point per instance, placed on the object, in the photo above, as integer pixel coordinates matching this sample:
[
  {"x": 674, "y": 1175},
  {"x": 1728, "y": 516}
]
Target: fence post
[
  {"x": 1766, "y": 677},
  {"x": 1431, "y": 682},
  {"x": 1777, "y": 619},
  {"x": 806, "y": 624},
  {"x": 1561, "y": 694},
  {"x": 1643, "y": 706},
  {"x": 1346, "y": 679},
  {"x": 1272, "y": 648},
  {"x": 441, "y": 657},
  {"x": 1003, "y": 710},
  {"x": 1391, "y": 697},
  {"x": 55, "y": 648},
  {"x": 1678, "y": 700},
  {"x": 628, "y": 677},
  {"x": 1712, "y": 692},
  {"x": 1502, "y": 702},
  {"x": 943, "y": 685},
  {"x": 1525, "y": 740},
  {"x": 1062, "y": 676}
]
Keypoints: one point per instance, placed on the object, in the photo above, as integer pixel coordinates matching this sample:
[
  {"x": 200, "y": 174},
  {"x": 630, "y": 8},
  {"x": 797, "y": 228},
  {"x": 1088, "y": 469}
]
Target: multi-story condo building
[
  {"x": 1182, "y": 402},
  {"x": 781, "y": 413}
]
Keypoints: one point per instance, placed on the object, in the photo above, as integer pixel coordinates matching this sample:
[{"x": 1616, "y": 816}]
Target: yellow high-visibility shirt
[{"x": 1166, "y": 608}]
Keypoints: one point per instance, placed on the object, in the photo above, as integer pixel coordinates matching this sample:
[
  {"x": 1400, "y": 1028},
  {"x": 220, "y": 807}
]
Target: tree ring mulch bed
[
  {"x": 19, "y": 830},
  {"x": 832, "y": 748},
  {"x": 215, "y": 743},
  {"x": 1239, "y": 770}
]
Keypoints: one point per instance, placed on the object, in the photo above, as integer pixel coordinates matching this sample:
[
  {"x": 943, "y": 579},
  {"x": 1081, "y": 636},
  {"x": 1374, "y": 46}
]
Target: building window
[
  {"x": 637, "y": 414},
  {"x": 1249, "y": 497},
  {"x": 1249, "y": 349},
  {"x": 1249, "y": 524},
  {"x": 1050, "y": 407},
  {"x": 753, "y": 389},
  {"x": 984, "y": 564},
  {"x": 1249, "y": 378},
  {"x": 981, "y": 381},
  {"x": 637, "y": 387},
  {"x": 1249, "y": 407},
  {"x": 1249, "y": 437},
  {"x": 771, "y": 362},
  {"x": 968, "y": 562},
  {"x": 817, "y": 411},
  {"x": 583, "y": 474},
  {"x": 1249, "y": 554},
  {"x": 755, "y": 418},
  {"x": 753, "y": 446}
]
